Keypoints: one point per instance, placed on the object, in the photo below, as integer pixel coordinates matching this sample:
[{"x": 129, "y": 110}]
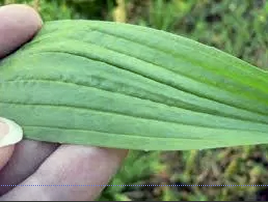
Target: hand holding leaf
[{"x": 39, "y": 163}]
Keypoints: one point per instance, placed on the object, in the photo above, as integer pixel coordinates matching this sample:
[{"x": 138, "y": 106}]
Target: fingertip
[
  {"x": 10, "y": 134},
  {"x": 19, "y": 23},
  {"x": 22, "y": 10}
]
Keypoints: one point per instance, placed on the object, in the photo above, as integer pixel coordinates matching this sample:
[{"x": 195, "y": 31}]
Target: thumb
[{"x": 10, "y": 134}]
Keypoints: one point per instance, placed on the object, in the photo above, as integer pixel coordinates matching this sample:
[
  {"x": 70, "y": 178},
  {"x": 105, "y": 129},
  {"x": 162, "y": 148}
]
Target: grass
[{"x": 237, "y": 27}]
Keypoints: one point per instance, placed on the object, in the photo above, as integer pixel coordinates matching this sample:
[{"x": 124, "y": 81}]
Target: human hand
[{"x": 37, "y": 163}]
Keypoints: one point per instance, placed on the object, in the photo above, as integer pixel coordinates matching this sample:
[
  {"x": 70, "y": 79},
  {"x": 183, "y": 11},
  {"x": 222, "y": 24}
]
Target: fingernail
[{"x": 10, "y": 132}]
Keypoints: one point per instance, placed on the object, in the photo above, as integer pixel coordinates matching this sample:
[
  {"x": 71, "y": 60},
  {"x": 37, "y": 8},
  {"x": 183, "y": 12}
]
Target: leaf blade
[{"x": 125, "y": 90}]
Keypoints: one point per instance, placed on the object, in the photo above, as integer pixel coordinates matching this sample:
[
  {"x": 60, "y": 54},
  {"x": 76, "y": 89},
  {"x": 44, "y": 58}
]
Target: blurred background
[{"x": 238, "y": 27}]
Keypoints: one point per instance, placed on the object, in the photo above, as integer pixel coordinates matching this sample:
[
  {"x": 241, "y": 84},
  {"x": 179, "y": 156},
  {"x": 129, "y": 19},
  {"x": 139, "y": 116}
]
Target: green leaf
[{"x": 124, "y": 86}]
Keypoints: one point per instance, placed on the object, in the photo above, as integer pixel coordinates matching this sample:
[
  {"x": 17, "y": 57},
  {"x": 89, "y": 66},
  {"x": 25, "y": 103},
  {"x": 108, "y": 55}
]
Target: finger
[
  {"x": 5, "y": 155},
  {"x": 18, "y": 24},
  {"x": 5, "y": 152},
  {"x": 71, "y": 165},
  {"x": 27, "y": 157},
  {"x": 10, "y": 134}
]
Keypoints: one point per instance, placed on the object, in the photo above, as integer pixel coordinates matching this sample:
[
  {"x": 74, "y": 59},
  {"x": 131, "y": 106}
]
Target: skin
[{"x": 38, "y": 163}]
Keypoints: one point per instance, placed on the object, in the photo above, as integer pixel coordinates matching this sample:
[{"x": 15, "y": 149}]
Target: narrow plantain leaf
[{"x": 124, "y": 86}]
